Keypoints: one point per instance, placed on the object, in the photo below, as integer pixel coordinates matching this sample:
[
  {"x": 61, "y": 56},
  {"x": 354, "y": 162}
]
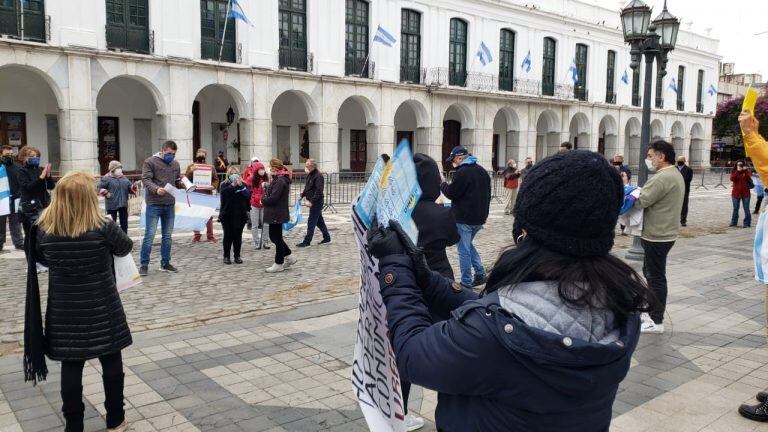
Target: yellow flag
[{"x": 750, "y": 100}]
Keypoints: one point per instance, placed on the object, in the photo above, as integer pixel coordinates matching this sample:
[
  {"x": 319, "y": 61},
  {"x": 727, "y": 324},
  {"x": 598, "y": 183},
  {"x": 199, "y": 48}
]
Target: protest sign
[
  {"x": 391, "y": 193},
  {"x": 202, "y": 176}
]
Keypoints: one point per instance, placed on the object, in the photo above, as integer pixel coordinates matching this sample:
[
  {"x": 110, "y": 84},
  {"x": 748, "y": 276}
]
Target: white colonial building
[{"x": 87, "y": 81}]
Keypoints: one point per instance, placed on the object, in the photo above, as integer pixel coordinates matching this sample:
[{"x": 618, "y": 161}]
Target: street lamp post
[{"x": 654, "y": 40}]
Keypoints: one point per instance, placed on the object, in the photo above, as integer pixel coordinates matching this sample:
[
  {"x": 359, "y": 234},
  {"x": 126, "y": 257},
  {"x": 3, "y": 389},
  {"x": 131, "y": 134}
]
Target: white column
[
  {"x": 483, "y": 147},
  {"x": 77, "y": 124},
  {"x": 434, "y": 146},
  {"x": 323, "y": 145},
  {"x": 179, "y": 119}
]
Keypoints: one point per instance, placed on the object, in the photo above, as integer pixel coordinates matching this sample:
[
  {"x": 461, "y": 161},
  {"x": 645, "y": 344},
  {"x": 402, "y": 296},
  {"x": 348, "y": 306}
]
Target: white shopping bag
[{"x": 126, "y": 273}]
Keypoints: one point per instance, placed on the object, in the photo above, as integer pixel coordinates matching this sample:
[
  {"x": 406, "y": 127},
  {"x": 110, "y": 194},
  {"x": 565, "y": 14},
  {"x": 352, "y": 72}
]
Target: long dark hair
[{"x": 604, "y": 282}]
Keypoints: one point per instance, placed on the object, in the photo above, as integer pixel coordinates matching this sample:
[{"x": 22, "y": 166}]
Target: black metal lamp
[
  {"x": 667, "y": 26},
  {"x": 635, "y": 18},
  {"x": 230, "y": 116}
]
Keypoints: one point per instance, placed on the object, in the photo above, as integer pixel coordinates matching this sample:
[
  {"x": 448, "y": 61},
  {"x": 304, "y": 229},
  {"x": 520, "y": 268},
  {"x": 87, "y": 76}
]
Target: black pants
[
  {"x": 122, "y": 212},
  {"x": 15, "y": 227},
  {"x": 281, "y": 248},
  {"x": 233, "y": 237},
  {"x": 316, "y": 219},
  {"x": 758, "y": 202},
  {"x": 655, "y": 272},
  {"x": 684, "y": 212},
  {"x": 72, "y": 391}
]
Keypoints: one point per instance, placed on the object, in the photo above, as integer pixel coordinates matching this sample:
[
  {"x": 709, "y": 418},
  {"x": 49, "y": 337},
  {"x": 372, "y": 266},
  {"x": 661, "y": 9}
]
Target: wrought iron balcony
[
  {"x": 294, "y": 59},
  {"x": 355, "y": 66},
  {"x": 410, "y": 74},
  {"x": 564, "y": 91},
  {"x": 457, "y": 77},
  {"x": 129, "y": 38},
  {"x": 528, "y": 86},
  {"x": 610, "y": 97},
  {"x": 441, "y": 77}
]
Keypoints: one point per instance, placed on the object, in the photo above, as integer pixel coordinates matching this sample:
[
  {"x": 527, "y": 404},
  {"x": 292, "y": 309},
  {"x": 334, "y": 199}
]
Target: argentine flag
[
  {"x": 625, "y": 77},
  {"x": 236, "y": 12},
  {"x": 383, "y": 37},
  {"x": 712, "y": 90},
  {"x": 573, "y": 71},
  {"x": 673, "y": 85},
  {"x": 526, "y": 65},
  {"x": 5, "y": 192},
  {"x": 484, "y": 54}
]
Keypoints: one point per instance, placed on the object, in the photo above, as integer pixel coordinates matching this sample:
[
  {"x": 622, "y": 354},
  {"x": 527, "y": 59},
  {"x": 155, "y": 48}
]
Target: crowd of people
[{"x": 555, "y": 303}]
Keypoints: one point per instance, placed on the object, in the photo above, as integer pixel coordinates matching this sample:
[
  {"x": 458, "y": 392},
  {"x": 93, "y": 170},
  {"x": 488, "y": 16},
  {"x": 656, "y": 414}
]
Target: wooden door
[
  {"x": 601, "y": 145},
  {"x": 451, "y": 138},
  {"x": 109, "y": 141},
  {"x": 495, "y": 153},
  {"x": 196, "y": 128},
  {"x": 408, "y": 135},
  {"x": 13, "y": 130},
  {"x": 358, "y": 151}
]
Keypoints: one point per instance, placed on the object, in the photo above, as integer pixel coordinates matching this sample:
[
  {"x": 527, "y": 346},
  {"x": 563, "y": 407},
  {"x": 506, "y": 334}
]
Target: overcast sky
[{"x": 734, "y": 22}]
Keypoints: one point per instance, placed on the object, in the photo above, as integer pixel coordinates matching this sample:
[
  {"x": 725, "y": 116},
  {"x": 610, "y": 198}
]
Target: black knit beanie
[{"x": 569, "y": 203}]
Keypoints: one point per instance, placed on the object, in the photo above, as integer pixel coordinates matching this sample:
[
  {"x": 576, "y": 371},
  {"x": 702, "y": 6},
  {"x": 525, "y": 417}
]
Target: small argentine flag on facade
[
  {"x": 236, "y": 12},
  {"x": 383, "y": 37},
  {"x": 573, "y": 71},
  {"x": 526, "y": 65},
  {"x": 5, "y": 192},
  {"x": 625, "y": 77},
  {"x": 712, "y": 90},
  {"x": 484, "y": 54},
  {"x": 673, "y": 85}
]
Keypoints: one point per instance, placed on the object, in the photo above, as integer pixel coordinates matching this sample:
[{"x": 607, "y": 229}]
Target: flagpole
[
  {"x": 224, "y": 33},
  {"x": 471, "y": 65},
  {"x": 367, "y": 55},
  {"x": 22, "y": 18}
]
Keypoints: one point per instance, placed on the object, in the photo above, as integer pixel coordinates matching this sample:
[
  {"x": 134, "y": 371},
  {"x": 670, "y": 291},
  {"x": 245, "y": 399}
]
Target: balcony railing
[
  {"x": 410, "y": 74},
  {"x": 129, "y": 38},
  {"x": 293, "y": 59},
  {"x": 441, "y": 77},
  {"x": 660, "y": 103},
  {"x": 581, "y": 93},
  {"x": 528, "y": 86},
  {"x": 358, "y": 68},
  {"x": 610, "y": 97},
  {"x": 637, "y": 100},
  {"x": 457, "y": 77},
  {"x": 699, "y": 107},
  {"x": 680, "y": 105}
]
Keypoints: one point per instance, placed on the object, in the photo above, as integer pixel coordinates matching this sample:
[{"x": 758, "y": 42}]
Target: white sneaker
[
  {"x": 121, "y": 428},
  {"x": 651, "y": 327},
  {"x": 276, "y": 268},
  {"x": 413, "y": 422},
  {"x": 289, "y": 261},
  {"x": 644, "y": 317},
  {"x": 40, "y": 268}
]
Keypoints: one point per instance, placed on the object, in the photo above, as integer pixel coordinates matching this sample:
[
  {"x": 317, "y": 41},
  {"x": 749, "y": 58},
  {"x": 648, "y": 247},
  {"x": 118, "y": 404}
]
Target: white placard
[
  {"x": 126, "y": 273},
  {"x": 202, "y": 176}
]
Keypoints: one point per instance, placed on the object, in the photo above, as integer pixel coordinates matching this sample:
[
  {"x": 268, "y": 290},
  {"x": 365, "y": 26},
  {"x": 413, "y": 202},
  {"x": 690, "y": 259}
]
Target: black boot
[
  {"x": 73, "y": 409},
  {"x": 757, "y": 412},
  {"x": 757, "y": 205},
  {"x": 113, "y": 399}
]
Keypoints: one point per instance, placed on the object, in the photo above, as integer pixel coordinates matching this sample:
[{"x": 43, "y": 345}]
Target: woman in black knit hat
[{"x": 547, "y": 343}]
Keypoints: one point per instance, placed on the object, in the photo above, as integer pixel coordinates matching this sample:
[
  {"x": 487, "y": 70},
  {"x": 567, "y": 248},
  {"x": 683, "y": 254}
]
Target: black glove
[
  {"x": 383, "y": 241},
  {"x": 394, "y": 240}
]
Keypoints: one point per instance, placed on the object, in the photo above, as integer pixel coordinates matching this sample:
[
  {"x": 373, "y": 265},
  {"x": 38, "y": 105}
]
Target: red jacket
[
  {"x": 740, "y": 181},
  {"x": 256, "y": 187}
]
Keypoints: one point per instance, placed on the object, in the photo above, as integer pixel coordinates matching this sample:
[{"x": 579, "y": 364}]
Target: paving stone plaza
[{"x": 232, "y": 348}]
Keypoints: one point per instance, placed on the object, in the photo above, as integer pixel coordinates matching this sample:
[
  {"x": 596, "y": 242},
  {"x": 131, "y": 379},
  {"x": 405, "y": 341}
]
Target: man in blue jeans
[
  {"x": 313, "y": 193},
  {"x": 470, "y": 195},
  {"x": 159, "y": 169}
]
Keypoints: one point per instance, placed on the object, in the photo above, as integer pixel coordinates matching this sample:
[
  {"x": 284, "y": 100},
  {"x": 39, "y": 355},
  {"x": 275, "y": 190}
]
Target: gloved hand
[{"x": 394, "y": 240}]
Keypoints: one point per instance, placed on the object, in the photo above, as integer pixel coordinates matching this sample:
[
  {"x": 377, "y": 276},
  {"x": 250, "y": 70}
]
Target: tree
[{"x": 726, "y": 122}]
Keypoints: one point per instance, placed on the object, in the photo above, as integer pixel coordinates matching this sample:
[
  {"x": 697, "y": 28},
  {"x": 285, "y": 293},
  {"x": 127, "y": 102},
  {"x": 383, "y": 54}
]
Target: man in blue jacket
[{"x": 470, "y": 195}]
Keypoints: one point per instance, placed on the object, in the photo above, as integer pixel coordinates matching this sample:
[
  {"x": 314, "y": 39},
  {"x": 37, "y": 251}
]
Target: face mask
[
  {"x": 649, "y": 164},
  {"x": 119, "y": 172},
  {"x": 33, "y": 161},
  {"x": 234, "y": 177},
  {"x": 168, "y": 157},
  {"x": 306, "y": 170},
  {"x": 529, "y": 164},
  {"x": 680, "y": 163},
  {"x": 261, "y": 172},
  {"x": 514, "y": 165},
  {"x": 200, "y": 159},
  {"x": 7, "y": 160}
]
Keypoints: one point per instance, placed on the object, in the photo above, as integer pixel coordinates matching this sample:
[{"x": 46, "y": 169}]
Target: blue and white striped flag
[
  {"x": 236, "y": 12},
  {"x": 673, "y": 85},
  {"x": 526, "y": 65},
  {"x": 712, "y": 90},
  {"x": 5, "y": 192},
  {"x": 484, "y": 54},
  {"x": 573, "y": 71},
  {"x": 191, "y": 212},
  {"x": 625, "y": 77},
  {"x": 383, "y": 37}
]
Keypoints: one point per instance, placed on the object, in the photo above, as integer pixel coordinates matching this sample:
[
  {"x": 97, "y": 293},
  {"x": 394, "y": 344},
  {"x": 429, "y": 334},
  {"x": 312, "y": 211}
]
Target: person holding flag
[
  {"x": 204, "y": 177},
  {"x": 14, "y": 224}
]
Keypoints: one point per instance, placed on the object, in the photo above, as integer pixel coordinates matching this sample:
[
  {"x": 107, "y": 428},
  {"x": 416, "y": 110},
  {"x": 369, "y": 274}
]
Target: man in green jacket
[{"x": 662, "y": 199}]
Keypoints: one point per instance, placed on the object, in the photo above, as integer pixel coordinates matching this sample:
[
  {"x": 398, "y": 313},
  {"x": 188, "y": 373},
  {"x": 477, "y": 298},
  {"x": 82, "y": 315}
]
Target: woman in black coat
[
  {"x": 34, "y": 183},
  {"x": 84, "y": 317},
  {"x": 233, "y": 213},
  {"x": 275, "y": 201}
]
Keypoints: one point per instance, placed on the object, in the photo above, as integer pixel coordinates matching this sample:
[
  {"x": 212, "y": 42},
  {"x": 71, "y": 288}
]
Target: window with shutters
[
  {"x": 699, "y": 90},
  {"x": 680, "y": 88},
  {"x": 506, "y": 60},
  {"x": 410, "y": 46},
  {"x": 548, "y": 67},
  {"x": 610, "y": 78},
  {"x": 636, "y": 100},
  {"x": 580, "y": 86},
  {"x": 457, "y": 53},
  {"x": 128, "y": 25},
  {"x": 34, "y": 19},
  {"x": 355, "y": 62},
  {"x": 213, "y": 19},
  {"x": 292, "y": 33}
]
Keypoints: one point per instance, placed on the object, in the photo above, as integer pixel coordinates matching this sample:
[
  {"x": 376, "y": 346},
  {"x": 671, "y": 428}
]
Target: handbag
[{"x": 31, "y": 207}]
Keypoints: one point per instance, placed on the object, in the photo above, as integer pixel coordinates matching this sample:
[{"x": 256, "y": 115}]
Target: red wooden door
[
  {"x": 109, "y": 141},
  {"x": 358, "y": 150}
]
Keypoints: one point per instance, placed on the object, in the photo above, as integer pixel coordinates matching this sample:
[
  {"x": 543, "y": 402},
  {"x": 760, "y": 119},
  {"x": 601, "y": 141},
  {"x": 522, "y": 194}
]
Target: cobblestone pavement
[{"x": 233, "y": 348}]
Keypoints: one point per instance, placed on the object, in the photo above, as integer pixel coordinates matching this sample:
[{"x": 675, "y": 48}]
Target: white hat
[{"x": 255, "y": 159}]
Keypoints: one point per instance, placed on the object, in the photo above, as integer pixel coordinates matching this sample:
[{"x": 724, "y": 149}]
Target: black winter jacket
[
  {"x": 84, "y": 318},
  {"x": 470, "y": 193},
  {"x": 32, "y": 188},
  {"x": 275, "y": 200},
  {"x": 235, "y": 203},
  {"x": 313, "y": 188}
]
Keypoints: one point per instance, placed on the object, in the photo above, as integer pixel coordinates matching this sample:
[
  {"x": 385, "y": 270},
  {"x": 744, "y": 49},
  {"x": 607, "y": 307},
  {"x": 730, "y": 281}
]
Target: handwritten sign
[{"x": 202, "y": 176}]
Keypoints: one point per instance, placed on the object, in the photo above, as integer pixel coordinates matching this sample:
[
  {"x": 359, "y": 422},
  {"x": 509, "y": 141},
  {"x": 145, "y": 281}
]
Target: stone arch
[
  {"x": 607, "y": 136},
  {"x": 547, "y": 134},
  {"x": 127, "y": 123},
  {"x": 458, "y": 127},
  {"x": 156, "y": 94},
  {"x": 579, "y": 131},
  {"x": 657, "y": 130},
  {"x": 291, "y": 113},
  {"x": 697, "y": 150},
  {"x": 411, "y": 122},
  {"x": 211, "y": 130},
  {"x": 677, "y": 136},
  {"x": 506, "y": 137},
  {"x": 632, "y": 142},
  {"x": 34, "y": 103},
  {"x": 357, "y": 121}
]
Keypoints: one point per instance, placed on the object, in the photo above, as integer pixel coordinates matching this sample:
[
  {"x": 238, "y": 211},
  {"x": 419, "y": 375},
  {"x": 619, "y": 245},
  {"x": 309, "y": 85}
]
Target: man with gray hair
[
  {"x": 313, "y": 192},
  {"x": 618, "y": 161}
]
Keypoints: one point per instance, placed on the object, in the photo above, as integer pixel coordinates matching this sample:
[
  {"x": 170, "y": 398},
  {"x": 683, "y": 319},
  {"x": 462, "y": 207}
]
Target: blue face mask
[
  {"x": 33, "y": 161},
  {"x": 168, "y": 157},
  {"x": 234, "y": 177}
]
